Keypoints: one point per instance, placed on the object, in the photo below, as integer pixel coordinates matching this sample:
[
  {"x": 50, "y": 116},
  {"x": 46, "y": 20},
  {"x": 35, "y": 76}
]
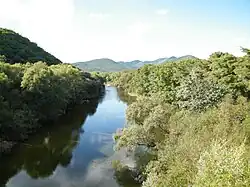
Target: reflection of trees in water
[
  {"x": 125, "y": 97},
  {"x": 126, "y": 177},
  {"x": 133, "y": 177},
  {"x": 101, "y": 98},
  {"x": 50, "y": 147}
]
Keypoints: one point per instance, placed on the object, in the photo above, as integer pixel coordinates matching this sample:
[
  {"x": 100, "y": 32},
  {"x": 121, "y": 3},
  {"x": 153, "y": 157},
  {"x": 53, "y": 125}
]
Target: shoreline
[
  {"x": 129, "y": 93},
  {"x": 7, "y": 146},
  {"x": 133, "y": 94}
]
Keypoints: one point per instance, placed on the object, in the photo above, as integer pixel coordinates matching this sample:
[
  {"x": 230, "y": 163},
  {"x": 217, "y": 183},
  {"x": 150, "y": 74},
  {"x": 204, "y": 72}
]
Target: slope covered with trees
[
  {"x": 100, "y": 65},
  {"x": 36, "y": 88},
  {"x": 192, "y": 118},
  {"x": 17, "y": 49},
  {"x": 31, "y": 94},
  {"x": 108, "y": 65}
]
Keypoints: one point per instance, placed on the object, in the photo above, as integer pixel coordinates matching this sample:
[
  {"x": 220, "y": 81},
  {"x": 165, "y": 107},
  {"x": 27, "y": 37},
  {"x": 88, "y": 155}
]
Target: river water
[{"x": 74, "y": 152}]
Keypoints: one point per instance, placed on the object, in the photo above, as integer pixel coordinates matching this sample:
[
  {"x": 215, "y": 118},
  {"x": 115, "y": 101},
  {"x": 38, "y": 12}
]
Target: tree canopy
[
  {"x": 192, "y": 116},
  {"x": 32, "y": 94}
]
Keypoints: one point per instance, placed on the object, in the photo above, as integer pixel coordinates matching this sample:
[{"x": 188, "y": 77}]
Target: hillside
[
  {"x": 18, "y": 49},
  {"x": 108, "y": 65},
  {"x": 138, "y": 63},
  {"x": 103, "y": 65}
]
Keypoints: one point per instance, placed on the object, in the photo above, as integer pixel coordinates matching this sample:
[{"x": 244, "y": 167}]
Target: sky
[{"x": 124, "y": 30}]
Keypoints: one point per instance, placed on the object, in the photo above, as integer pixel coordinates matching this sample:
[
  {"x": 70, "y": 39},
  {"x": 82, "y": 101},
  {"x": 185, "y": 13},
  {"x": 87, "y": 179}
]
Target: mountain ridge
[{"x": 109, "y": 65}]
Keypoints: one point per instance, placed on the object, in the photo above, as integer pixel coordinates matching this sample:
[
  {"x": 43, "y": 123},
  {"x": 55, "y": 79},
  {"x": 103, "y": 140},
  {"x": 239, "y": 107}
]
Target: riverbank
[
  {"x": 101, "y": 173},
  {"x": 109, "y": 84},
  {"x": 32, "y": 95},
  {"x": 134, "y": 95},
  {"x": 77, "y": 150},
  {"x": 6, "y": 146}
]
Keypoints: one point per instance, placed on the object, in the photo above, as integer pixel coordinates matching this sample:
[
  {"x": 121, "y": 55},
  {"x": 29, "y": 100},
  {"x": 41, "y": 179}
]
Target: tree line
[
  {"x": 35, "y": 87},
  {"x": 192, "y": 119},
  {"x": 32, "y": 94}
]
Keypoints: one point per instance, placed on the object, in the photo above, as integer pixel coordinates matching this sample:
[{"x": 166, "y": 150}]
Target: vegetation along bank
[
  {"x": 192, "y": 119},
  {"x": 35, "y": 87}
]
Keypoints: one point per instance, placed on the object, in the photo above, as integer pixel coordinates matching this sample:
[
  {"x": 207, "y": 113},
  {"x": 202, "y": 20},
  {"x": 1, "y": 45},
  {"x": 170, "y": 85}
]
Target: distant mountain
[
  {"x": 15, "y": 48},
  {"x": 108, "y": 65},
  {"x": 103, "y": 65}
]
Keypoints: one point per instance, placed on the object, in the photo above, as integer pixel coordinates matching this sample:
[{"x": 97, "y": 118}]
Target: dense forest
[
  {"x": 34, "y": 93},
  {"x": 192, "y": 119},
  {"x": 17, "y": 49}
]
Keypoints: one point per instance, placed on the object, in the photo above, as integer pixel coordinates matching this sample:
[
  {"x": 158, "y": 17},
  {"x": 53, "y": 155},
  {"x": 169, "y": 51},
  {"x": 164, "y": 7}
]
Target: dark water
[{"x": 63, "y": 154}]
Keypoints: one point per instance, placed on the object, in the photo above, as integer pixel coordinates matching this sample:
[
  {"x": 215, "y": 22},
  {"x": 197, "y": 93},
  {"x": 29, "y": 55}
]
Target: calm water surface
[{"x": 70, "y": 153}]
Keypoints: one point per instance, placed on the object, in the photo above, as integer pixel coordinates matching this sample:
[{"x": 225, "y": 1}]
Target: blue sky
[{"x": 78, "y": 30}]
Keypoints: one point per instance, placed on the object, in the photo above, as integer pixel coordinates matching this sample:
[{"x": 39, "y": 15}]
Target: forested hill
[
  {"x": 101, "y": 65},
  {"x": 108, "y": 65},
  {"x": 34, "y": 93},
  {"x": 15, "y": 48}
]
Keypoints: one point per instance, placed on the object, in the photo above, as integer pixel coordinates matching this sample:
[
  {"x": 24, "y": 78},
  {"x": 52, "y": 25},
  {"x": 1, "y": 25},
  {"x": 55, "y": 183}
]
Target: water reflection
[
  {"x": 67, "y": 153},
  {"x": 51, "y": 147},
  {"x": 125, "y": 97}
]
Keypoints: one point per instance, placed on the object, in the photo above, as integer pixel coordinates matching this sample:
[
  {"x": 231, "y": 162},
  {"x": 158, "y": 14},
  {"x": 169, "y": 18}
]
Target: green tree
[{"x": 197, "y": 93}]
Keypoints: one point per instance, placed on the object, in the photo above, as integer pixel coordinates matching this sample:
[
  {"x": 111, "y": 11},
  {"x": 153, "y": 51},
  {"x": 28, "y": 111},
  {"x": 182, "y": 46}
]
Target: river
[{"x": 74, "y": 152}]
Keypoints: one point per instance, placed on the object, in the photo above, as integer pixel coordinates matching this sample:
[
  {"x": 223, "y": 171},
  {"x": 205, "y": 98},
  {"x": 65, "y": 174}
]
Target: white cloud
[
  {"x": 161, "y": 12},
  {"x": 99, "y": 16},
  {"x": 139, "y": 28},
  {"x": 36, "y": 12},
  {"x": 77, "y": 34},
  {"x": 46, "y": 22}
]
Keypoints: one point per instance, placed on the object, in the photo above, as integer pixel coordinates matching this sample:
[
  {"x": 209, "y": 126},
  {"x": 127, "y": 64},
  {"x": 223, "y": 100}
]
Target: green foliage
[
  {"x": 138, "y": 111},
  {"x": 222, "y": 66},
  {"x": 37, "y": 77},
  {"x": 3, "y": 58},
  {"x": 182, "y": 137},
  {"x": 222, "y": 71},
  {"x": 17, "y": 49},
  {"x": 35, "y": 93},
  {"x": 124, "y": 175},
  {"x": 197, "y": 93},
  {"x": 222, "y": 165},
  {"x": 193, "y": 117},
  {"x": 245, "y": 50},
  {"x": 31, "y": 91},
  {"x": 231, "y": 71},
  {"x": 116, "y": 137},
  {"x": 161, "y": 80}
]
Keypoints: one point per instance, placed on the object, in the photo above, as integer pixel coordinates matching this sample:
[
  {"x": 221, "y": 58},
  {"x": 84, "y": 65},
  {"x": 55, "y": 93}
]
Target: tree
[
  {"x": 197, "y": 93},
  {"x": 2, "y": 58},
  {"x": 246, "y": 51},
  {"x": 32, "y": 94}
]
